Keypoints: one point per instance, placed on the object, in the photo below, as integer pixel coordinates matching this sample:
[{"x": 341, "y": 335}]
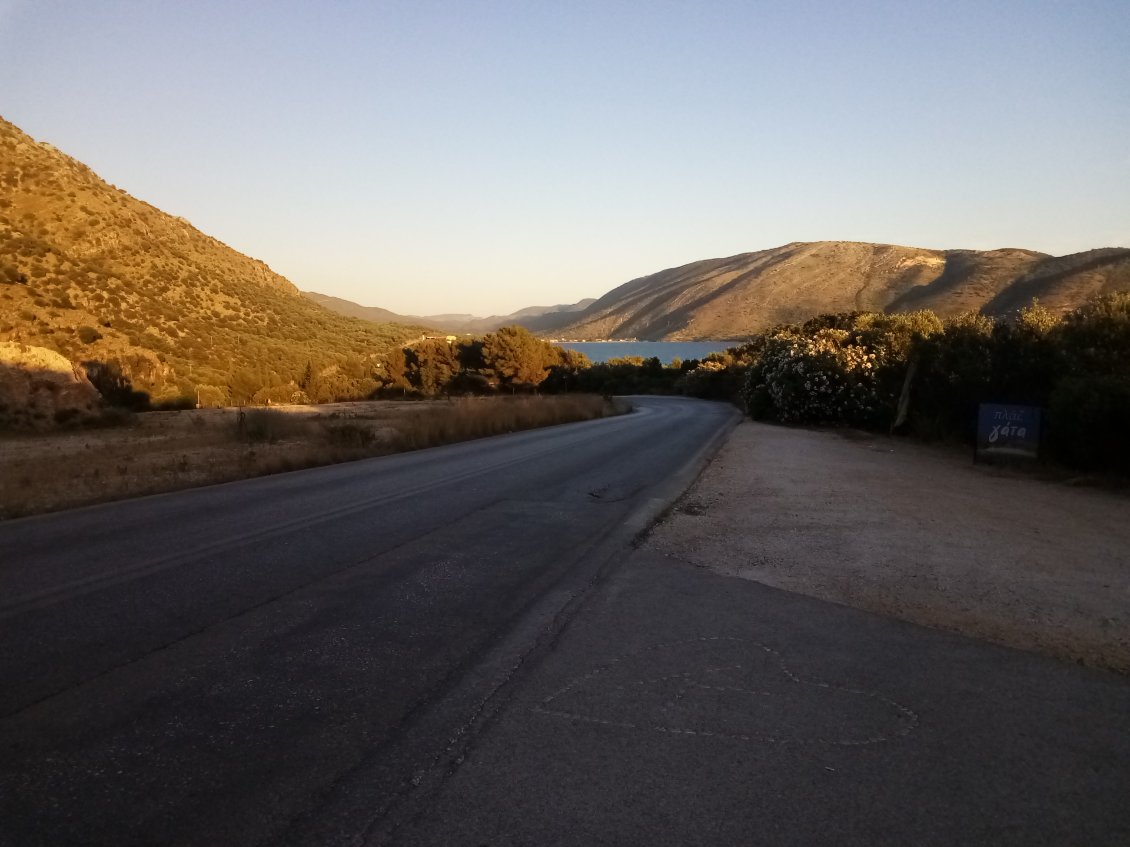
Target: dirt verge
[{"x": 917, "y": 533}]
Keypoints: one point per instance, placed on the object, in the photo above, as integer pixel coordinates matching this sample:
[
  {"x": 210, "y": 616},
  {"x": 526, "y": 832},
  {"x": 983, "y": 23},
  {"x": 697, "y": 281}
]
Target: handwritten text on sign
[{"x": 1008, "y": 430}]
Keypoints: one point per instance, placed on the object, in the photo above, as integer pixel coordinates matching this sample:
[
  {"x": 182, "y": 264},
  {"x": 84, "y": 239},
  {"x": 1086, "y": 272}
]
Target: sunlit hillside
[
  {"x": 740, "y": 295},
  {"x": 98, "y": 275}
]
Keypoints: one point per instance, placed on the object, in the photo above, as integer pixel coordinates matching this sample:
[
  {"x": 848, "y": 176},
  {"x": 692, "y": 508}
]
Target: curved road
[{"x": 244, "y": 663}]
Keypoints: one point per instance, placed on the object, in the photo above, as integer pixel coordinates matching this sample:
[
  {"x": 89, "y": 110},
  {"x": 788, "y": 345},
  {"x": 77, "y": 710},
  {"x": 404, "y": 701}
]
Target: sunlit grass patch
[{"x": 168, "y": 451}]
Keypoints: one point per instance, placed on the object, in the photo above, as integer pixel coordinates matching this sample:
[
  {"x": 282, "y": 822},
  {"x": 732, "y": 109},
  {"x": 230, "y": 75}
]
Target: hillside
[
  {"x": 735, "y": 296},
  {"x": 532, "y": 317},
  {"x": 97, "y": 275},
  {"x": 366, "y": 313}
]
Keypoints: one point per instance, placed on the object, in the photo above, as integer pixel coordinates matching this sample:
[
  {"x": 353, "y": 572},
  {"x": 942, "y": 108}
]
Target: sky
[{"x": 479, "y": 157}]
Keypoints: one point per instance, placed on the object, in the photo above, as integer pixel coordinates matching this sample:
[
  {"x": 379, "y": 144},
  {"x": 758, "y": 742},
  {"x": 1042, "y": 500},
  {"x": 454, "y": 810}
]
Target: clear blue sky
[{"x": 484, "y": 156}]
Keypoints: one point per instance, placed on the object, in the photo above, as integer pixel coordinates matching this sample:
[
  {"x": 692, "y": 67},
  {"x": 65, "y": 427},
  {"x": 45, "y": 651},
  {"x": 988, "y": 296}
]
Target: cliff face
[{"x": 732, "y": 297}]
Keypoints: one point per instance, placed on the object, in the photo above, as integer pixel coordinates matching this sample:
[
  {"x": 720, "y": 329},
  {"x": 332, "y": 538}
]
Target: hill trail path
[{"x": 915, "y": 532}]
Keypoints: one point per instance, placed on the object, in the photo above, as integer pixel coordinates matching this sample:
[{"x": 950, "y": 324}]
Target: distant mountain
[
  {"x": 97, "y": 275},
  {"x": 532, "y": 317},
  {"x": 365, "y": 313},
  {"x": 733, "y": 297}
]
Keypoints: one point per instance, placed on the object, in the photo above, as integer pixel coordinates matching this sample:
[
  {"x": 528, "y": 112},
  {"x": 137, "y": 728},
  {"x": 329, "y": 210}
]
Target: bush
[
  {"x": 264, "y": 426},
  {"x": 1095, "y": 338},
  {"x": 1088, "y": 423},
  {"x": 10, "y": 275},
  {"x": 88, "y": 334},
  {"x": 211, "y": 396},
  {"x": 954, "y": 375},
  {"x": 822, "y": 378}
]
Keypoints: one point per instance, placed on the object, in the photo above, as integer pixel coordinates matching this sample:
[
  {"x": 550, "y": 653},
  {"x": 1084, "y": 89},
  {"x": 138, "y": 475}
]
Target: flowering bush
[{"x": 821, "y": 378}]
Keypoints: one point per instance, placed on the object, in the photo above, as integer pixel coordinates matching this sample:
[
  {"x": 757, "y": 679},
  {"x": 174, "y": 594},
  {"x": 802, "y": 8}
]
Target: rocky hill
[
  {"x": 97, "y": 275},
  {"x": 733, "y": 297}
]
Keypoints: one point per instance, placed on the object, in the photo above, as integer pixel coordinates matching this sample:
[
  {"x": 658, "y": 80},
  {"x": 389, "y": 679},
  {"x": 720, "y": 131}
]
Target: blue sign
[{"x": 1008, "y": 431}]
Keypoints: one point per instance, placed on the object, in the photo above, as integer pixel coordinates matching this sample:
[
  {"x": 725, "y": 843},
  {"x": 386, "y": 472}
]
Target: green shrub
[
  {"x": 1089, "y": 423},
  {"x": 1095, "y": 338},
  {"x": 88, "y": 334},
  {"x": 266, "y": 426},
  {"x": 954, "y": 376}
]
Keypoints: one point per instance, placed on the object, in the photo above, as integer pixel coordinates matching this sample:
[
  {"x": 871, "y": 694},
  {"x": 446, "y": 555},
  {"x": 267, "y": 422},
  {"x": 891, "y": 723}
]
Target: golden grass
[{"x": 169, "y": 451}]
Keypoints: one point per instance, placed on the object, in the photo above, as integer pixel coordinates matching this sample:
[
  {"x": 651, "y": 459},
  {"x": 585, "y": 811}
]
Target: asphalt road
[
  {"x": 289, "y": 658},
  {"x": 461, "y": 647},
  {"x": 682, "y": 707}
]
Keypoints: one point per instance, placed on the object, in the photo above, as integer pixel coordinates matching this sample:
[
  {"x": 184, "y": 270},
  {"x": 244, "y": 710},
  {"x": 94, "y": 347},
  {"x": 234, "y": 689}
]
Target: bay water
[{"x": 602, "y": 351}]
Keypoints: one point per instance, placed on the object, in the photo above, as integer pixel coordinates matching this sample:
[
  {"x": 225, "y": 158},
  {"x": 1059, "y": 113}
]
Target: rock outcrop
[{"x": 40, "y": 389}]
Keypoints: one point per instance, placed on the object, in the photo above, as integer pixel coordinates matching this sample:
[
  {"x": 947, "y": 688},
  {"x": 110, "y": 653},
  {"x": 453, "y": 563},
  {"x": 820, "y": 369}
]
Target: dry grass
[{"x": 168, "y": 451}]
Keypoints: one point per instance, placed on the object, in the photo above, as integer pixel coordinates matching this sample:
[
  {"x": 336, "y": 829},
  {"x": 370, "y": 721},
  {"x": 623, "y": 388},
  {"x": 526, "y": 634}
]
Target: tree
[
  {"x": 432, "y": 364},
  {"x": 331, "y": 385},
  {"x": 211, "y": 396},
  {"x": 395, "y": 370},
  {"x": 242, "y": 385},
  {"x": 513, "y": 354},
  {"x": 470, "y": 352}
]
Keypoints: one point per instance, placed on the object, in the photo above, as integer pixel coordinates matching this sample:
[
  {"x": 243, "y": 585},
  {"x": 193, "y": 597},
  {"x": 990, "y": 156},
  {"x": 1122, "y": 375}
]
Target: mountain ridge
[
  {"x": 529, "y": 317},
  {"x": 734, "y": 296}
]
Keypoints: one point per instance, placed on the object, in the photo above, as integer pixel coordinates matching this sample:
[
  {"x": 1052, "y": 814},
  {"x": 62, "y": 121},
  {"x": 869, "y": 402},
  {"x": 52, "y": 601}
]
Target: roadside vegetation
[
  {"x": 917, "y": 375},
  {"x": 167, "y": 451}
]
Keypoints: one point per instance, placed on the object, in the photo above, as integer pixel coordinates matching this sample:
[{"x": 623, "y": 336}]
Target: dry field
[{"x": 165, "y": 451}]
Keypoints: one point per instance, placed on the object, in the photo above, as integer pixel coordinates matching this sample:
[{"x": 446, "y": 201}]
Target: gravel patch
[{"x": 917, "y": 533}]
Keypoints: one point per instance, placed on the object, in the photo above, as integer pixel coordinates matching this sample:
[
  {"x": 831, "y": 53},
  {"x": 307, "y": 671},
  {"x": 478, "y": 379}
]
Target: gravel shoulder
[{"x": 917, "y": 533}]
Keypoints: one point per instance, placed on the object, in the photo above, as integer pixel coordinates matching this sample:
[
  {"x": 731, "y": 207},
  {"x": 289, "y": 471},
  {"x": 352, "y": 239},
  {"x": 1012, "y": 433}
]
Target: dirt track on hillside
[{"x": 916, "y": 533}]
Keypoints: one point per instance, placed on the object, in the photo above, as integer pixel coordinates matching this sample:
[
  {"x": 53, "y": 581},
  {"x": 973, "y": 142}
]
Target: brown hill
[
  {"x": 97, "y": 275},
  {"x": 1065, "y": 282},
  {"x": 366, "y": 313},
  {"x": 533, "y": 318},
  {"x": 733, "y": 297}
]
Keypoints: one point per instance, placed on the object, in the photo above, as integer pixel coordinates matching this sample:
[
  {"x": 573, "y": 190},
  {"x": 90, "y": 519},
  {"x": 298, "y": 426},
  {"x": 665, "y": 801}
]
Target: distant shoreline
[{"x": 665, "y": 351}]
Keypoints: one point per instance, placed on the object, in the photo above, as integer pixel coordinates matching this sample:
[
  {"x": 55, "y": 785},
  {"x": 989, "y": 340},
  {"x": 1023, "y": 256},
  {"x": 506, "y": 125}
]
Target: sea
[{"x": 602, "y": 351}]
